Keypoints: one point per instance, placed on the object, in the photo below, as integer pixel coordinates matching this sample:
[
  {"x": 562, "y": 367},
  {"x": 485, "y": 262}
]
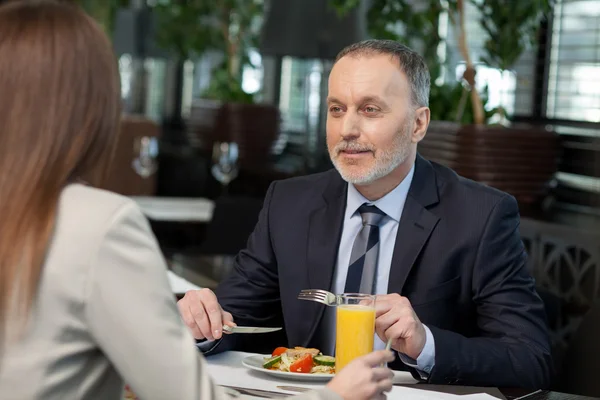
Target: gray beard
[{"x": 385, "y": 163}]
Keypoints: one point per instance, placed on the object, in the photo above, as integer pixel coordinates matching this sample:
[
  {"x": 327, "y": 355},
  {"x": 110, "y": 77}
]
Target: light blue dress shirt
[{"x": 392, "y": 204}]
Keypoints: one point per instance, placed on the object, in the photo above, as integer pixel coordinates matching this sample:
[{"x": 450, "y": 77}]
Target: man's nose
[{"x": 350, "y": 127}]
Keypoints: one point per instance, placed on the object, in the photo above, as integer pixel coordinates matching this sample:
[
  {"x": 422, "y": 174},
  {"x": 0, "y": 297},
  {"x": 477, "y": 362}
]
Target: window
[
  {"x": 513, "y": 89},
  {"x": 300, "y": 98},
  {"x": 574, "y": 76},
  {"x": 126, "y": 73},
  {"x": 156, "y": 70}
]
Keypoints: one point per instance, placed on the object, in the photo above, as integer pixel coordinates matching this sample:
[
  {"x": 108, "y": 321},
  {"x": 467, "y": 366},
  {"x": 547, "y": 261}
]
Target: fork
[{"x": 320, "y": 296}]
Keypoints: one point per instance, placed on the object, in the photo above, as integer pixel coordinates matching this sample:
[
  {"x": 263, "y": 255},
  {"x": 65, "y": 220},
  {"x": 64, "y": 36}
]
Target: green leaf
[
  {"x": 191, "y": 27},
  {"x": 512, "y": 27}
]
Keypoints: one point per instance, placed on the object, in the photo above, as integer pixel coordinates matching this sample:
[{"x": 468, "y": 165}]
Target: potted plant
[
  {"x": 520, "y": 159},
  {"x": 224, "y": 112},
  {"x": 478, "y": 143},
  {"x": 104, "y": 12}
]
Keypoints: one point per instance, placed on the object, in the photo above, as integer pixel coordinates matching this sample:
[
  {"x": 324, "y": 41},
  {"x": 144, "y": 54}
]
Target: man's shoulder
[
  {"x": 304, "y": 192},
  {"x": 454, "y": 186}
]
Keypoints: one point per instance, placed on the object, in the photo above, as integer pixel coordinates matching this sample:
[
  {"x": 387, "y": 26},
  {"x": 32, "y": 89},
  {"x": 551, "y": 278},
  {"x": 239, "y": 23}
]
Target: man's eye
[{"x": 370, "y": 109}]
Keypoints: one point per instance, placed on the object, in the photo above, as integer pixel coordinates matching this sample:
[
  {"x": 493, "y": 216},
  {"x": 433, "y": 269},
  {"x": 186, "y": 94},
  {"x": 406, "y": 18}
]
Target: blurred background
[{"x": 223, "y": 97}]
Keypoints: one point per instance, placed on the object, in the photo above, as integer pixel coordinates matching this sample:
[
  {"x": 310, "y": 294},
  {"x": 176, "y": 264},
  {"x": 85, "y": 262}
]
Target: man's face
[{"x": 370, "y": 117}]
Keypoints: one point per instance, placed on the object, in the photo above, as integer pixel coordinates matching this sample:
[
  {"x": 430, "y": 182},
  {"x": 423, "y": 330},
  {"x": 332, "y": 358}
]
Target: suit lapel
[
  {"x": 324, "y": 233},
  {"x": 416, "y": 224}
]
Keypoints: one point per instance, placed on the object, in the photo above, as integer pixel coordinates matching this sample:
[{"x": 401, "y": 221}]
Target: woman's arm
[{"x": 133, "y": 317}]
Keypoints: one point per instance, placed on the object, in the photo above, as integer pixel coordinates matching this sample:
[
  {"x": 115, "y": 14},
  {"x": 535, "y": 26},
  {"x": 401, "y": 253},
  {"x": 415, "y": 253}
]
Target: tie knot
[{"x": 371, "y": 215}]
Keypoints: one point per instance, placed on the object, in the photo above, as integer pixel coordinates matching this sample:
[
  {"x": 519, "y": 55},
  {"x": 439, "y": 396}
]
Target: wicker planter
[
  {"x": 520, "y": 160},
  {"x": 132, "y": 171},
  {"x": 254, "y": 127}
]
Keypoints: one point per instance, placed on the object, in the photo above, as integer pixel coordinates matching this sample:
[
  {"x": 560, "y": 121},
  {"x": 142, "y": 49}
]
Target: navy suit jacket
[{"x": 458, "y": 258}]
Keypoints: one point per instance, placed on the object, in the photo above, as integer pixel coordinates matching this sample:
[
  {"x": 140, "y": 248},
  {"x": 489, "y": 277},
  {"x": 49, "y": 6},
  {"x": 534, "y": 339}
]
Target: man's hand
[
  {"x": 203, "y": 315},
  {"x": 396, "y": 320}
]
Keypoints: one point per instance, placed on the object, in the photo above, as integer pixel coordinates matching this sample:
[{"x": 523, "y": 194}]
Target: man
[{"x": 444, "y": 253}]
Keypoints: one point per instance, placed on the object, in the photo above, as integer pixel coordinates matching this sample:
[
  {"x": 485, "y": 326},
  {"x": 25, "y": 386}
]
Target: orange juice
[{"x": 355, "y": 331}]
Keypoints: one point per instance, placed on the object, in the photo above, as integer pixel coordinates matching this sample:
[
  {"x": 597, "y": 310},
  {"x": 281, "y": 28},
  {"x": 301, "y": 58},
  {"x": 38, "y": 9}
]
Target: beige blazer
[{"x": 105, "y": 314}]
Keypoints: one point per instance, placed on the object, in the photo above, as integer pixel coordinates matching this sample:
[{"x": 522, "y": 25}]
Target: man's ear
[{"x": 421, "y": 122}]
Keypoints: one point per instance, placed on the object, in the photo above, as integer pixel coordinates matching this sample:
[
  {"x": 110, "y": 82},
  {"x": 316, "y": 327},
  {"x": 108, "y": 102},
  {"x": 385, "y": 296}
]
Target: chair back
[{"x": 581, "y": 364}]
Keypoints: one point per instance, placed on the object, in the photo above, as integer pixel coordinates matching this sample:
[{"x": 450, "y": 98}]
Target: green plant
[
  {"x": 190, "y": 28},
  {"x": 512, "y": 27},
  {"x": 448, "y": 102},
  {"x": 420, "y": 26},
  {"x": 104, "y": 12}
]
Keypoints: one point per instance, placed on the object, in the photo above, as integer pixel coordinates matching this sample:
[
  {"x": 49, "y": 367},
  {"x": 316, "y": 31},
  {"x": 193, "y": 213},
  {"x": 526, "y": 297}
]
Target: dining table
[
  {"x": 228, "y": 370},
  {"x": 175, "y": 209}
]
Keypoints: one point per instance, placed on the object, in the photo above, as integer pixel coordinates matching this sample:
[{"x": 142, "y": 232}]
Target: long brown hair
[{"x": 59, "y": 117}]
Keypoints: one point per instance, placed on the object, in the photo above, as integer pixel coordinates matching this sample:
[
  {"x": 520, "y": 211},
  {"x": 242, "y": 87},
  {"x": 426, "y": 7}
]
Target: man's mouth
[{"x": 349, "y": 152}]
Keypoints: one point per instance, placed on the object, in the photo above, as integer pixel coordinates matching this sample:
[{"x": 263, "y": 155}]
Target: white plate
[{"x": 256, "y": 363}]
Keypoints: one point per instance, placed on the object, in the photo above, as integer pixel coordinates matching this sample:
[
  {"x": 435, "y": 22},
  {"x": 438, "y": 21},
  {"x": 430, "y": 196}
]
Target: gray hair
[{"x": 410, "y": 62}]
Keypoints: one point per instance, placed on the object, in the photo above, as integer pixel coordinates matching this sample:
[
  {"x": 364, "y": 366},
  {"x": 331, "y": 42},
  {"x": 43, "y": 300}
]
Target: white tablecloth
[
  {"x": 227, "y": 369},
  {"x": 175, "y": 209},
  {"x": 180, "y": 285}
]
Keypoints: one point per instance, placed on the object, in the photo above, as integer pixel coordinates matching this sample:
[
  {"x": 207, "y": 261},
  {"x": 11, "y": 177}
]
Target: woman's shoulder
[
  {"x": 88, "y": 199},
  {"x": 88, "y": 209}
]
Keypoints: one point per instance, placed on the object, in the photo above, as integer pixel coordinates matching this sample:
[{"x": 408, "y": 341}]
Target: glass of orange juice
[{"x": 355, "y": 327}]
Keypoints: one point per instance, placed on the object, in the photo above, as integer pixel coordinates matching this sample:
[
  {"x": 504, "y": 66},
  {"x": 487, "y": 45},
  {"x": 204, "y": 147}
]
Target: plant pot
[
  {"x": 520, "y": 159},
  {"x": 254, "y": 127}
]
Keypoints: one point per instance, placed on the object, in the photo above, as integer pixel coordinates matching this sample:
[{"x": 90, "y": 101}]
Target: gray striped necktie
[{"x": 363, "y": 260}]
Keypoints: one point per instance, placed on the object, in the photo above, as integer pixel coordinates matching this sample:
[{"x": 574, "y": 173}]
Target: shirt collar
[{"x": 392, "y": 203}]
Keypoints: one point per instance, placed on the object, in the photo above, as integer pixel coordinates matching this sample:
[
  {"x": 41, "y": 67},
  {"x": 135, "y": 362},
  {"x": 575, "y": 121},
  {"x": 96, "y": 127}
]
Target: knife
[
  {"x": 294, "y": 389},
  {"x": 258, "y": 392},
  {"x": 248, "y": 329}
]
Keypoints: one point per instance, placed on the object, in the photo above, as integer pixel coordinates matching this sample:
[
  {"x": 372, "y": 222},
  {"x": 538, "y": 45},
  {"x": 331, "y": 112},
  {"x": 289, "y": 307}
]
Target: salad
[{"x": 300, "y": 360}]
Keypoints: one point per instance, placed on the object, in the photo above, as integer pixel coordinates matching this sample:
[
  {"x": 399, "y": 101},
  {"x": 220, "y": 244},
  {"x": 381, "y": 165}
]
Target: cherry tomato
[
  {"x": 279, "y": 351},
  {"x": 303, "y": 365}
]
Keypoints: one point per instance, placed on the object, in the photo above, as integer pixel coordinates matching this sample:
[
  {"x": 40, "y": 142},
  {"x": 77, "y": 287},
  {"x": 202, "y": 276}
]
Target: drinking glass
[
  {"x": 225, "y": 162},
  {"x": 146, "y": 149},
  {"x": 355, "y": 327}
]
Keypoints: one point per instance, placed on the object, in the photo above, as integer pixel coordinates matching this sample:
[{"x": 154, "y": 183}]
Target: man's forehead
[{"x": 373, "y": 75}]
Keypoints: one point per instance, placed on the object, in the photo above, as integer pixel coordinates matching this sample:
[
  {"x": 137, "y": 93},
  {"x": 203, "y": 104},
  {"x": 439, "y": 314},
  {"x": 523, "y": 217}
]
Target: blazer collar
[
  {"x": 424, "y": 187},
  {"x": 416, "y": 225}
]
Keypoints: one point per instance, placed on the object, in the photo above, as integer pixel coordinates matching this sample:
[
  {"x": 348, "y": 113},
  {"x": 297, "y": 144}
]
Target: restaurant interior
[{"x": 222, "y": 98}]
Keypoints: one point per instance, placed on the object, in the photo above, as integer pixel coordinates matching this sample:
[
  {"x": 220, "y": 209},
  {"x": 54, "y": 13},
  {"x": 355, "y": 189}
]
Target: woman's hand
[{"x": 364, "y": 378}]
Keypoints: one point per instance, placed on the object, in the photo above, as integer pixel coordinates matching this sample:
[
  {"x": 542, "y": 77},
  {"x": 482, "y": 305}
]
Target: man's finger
[
  {"x": 386, "y": 320},
  {"x": 188, "y": 320},
  {"x": 201, "y": 318},
  {"x": 214, "y": 312},
  {"x": 381, "y": 328},
  {"x": 228, "y": 320},
  {"x": 382, "y": 307},
  {"x": 396, "y": 331}
]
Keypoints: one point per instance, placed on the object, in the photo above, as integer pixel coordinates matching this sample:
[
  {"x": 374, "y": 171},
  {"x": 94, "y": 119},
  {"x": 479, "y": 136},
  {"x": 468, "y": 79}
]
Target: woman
[{"x": 84, "y": 297}]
